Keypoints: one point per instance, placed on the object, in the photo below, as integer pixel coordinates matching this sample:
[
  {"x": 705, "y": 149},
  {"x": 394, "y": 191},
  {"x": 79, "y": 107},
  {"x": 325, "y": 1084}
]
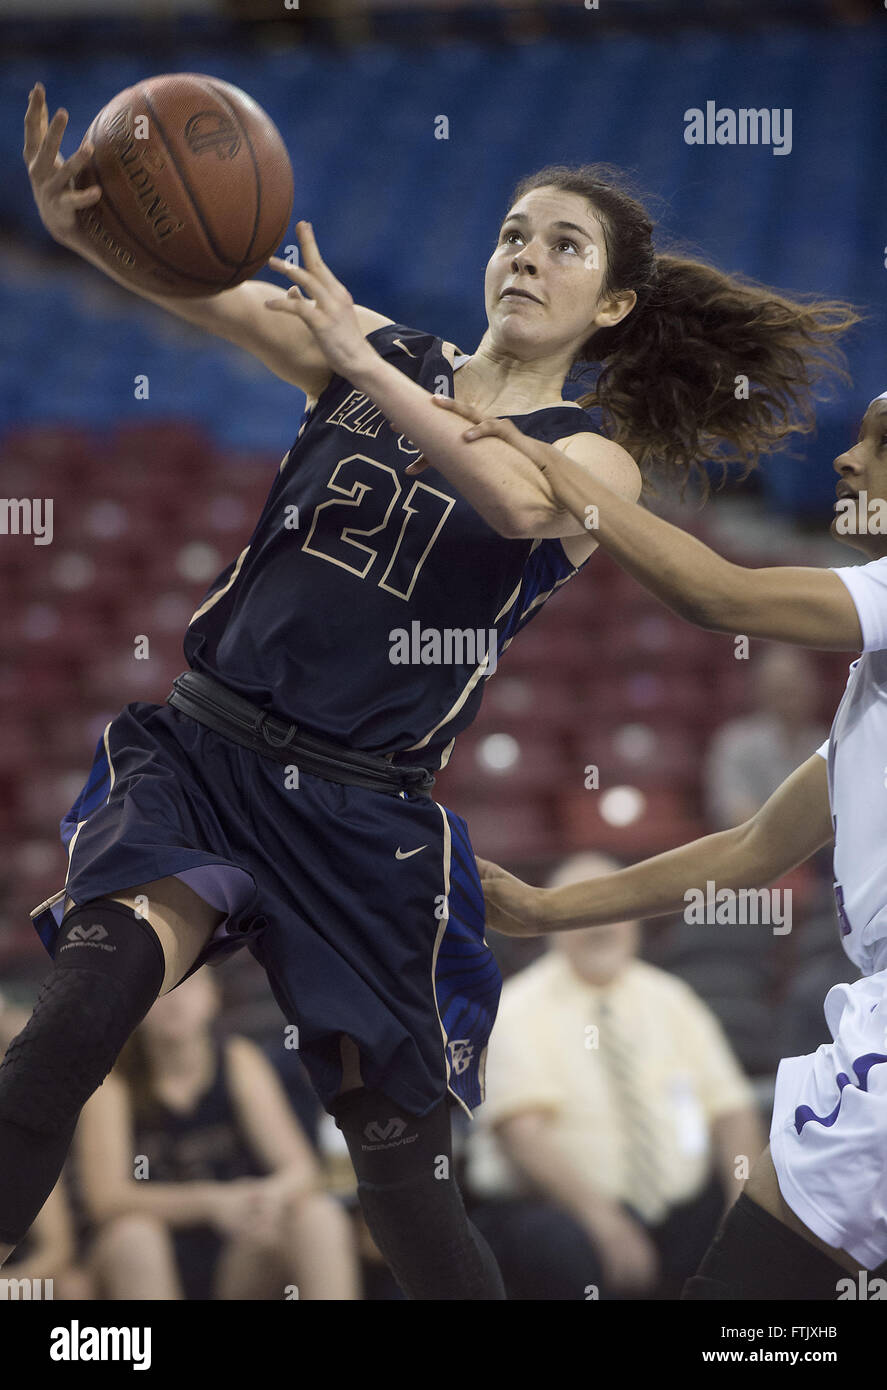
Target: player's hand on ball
[
  {"x": 513, "y": 908},
  {"x": 323, "y": 304},
  {"x": 51, "y": 176}
]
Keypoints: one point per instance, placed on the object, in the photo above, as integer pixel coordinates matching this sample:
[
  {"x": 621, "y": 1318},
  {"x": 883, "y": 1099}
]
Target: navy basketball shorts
[{"x": 364, "y": 908}]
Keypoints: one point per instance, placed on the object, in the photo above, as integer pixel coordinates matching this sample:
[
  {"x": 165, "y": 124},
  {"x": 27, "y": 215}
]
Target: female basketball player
[
  {"x": 279, "y": 798},
  {"x": 815, "y": 1204}
]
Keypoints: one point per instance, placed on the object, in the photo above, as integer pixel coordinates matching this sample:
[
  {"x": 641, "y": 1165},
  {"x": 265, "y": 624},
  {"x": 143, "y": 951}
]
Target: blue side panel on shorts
[
  {"x": 91, "y": 795},
  {"x": 467, "y": 980}
]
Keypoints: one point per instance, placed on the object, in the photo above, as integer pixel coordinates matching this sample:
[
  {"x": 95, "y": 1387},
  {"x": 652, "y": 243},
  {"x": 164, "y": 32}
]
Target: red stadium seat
[
  {"x": 47, "y": 446},
  {"x": 522, "y": 829},
  {"x": 642, "y": 755},
  {"x": 527, "y": 702},
  {"x": 544, "y": 647},
  {"x": 647, "y": 697},
  {"x": 169, "y": 446},
  {"x": 18, "y": 746},
  {"x": 499, "y": 764},
  {"x": 665, "y": 820},
  {"x": 655, "y": 639},
  {"x": 45, "y": 796}
]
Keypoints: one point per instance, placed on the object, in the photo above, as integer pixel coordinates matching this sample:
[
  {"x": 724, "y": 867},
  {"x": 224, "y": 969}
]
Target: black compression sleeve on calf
[
  {"x": 30, "y": 1165},
  {"x": 756, "y": 1256},
  {"x": 107, "y": 971},
  {"x": 411, "y": 1201}
]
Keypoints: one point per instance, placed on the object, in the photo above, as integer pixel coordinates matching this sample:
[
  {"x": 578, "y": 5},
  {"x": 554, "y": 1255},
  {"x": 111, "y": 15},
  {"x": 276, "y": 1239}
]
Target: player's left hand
[
  {"x": 323, "y": 304},
  {"x": 513, "y": 907},
  {"x": 486, "y": 426}
]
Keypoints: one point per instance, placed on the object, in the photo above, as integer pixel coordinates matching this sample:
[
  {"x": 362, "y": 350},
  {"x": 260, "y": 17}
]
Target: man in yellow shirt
[{"x": 615, "y": 1101}]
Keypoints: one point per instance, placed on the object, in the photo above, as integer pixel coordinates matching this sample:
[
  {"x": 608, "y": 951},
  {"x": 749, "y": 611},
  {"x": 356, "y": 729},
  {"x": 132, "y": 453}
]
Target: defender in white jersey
[{"x": 816, "y": 1202}]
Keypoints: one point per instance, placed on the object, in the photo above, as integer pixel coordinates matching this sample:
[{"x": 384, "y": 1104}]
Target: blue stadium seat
[{"x": 407, "y": 221}]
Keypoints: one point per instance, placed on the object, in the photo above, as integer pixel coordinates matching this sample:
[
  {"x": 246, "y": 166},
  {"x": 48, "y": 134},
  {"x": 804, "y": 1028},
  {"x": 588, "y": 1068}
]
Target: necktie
[{"x": 633, "y": 1112}]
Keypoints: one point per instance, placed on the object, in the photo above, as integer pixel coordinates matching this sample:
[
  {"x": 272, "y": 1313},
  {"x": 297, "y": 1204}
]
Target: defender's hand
[{"x": 485, "y": 426}]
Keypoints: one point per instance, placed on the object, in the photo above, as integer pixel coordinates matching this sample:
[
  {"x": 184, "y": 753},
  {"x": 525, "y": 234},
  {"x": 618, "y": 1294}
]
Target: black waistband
[{"x": 219, "y": 708}]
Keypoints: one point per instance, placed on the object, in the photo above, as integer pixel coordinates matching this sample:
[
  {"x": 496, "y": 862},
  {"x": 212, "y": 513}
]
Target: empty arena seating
[
  {"x": 144, "y": 517},
  {"x": 409, "y": 235}
]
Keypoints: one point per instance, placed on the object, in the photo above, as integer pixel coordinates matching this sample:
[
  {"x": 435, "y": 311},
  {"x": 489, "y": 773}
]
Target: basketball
[{"x": 197, "y": 187}]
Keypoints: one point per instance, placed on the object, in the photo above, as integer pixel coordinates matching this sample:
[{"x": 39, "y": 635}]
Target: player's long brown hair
[{"x": 669, "y": 372}]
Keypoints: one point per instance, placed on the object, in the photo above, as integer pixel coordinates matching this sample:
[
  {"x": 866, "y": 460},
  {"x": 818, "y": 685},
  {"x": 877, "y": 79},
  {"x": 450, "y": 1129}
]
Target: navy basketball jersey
[{"x": 363, "y": 605}]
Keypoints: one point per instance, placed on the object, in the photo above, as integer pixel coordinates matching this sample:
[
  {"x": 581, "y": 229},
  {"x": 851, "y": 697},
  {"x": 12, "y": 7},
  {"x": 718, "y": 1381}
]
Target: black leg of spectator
[
  {"x": 684, "y": 1236},
  {"x": 543, "y": 1253}
]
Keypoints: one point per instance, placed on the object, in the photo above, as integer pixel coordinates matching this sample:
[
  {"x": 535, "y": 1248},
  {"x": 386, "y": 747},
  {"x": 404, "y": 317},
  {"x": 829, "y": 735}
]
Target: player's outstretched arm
[
  {"x": 287, "y": 348},
  {"x": 792, "y": 825},
  {"x": 801, "y": 605}
]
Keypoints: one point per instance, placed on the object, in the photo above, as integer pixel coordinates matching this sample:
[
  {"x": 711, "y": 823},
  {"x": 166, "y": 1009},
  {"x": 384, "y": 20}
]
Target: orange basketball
[{"x": 197, "y": 186}]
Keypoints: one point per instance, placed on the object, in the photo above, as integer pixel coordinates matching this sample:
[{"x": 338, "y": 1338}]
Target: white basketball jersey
[{"x": 856, "y": 752}]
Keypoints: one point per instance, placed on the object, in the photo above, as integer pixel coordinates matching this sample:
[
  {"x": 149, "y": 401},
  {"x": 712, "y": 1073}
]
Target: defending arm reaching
[
  {"x": 792, "y": 825},
  {"x": 802, "y": 605}
]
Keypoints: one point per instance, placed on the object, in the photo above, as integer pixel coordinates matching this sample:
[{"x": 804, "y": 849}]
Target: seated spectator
[
  {"x": 749, "y": 757},
  {"x": 625, "y": 1124},
  {"x": 200, "y": 1180}
]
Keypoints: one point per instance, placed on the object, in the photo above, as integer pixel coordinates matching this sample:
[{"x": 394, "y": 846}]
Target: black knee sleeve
[
  {"x": 756, "y": 1256},
  {"x": 411, "y": 1202},
  {"x": 107, "y": 971}
]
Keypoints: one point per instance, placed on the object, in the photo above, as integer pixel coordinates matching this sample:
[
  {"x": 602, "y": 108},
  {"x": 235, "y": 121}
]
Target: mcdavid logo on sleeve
[{"x": 92, "y": 937}]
